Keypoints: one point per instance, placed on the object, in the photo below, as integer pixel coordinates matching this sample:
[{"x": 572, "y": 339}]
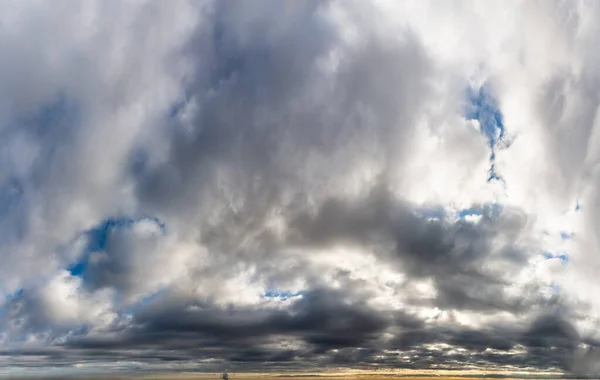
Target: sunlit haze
[{"x": 272, "y": 186}]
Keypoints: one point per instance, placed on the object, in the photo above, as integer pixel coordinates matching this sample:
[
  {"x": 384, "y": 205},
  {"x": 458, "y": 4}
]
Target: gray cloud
[
  {"x": 289, "y": 185},
  {"x": 451, "y": 253}
]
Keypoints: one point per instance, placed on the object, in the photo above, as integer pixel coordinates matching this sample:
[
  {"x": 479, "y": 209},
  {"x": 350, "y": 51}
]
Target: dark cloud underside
[{"x": 296, "y": 185}]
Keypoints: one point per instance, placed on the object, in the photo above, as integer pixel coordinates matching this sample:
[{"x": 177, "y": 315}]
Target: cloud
[{"x": 291, "y": 185}]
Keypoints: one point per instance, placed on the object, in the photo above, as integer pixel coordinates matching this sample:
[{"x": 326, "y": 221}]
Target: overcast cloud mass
[{"x": 265, "y": 184}]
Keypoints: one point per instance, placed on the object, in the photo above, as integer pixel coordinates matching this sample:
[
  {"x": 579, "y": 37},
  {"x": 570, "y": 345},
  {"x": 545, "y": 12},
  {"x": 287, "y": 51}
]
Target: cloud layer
[{"x": 288, "y": 185}]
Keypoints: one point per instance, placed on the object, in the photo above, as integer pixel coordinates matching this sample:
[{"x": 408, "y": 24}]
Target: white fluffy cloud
[{"x": 298, "y": 184}]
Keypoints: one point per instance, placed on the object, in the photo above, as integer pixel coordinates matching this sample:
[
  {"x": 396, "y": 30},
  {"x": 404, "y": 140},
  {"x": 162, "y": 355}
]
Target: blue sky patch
[
  {"x": 563, "y": 257},
  {"x": 282, "y": 295},
  {"x": 77, "y": 269},
  {"x": 14, "y": 295},
  {"x": 565, "y": 235},
  {"x": 484, "y": 108},
  {"x": 470, "y": 211},
  {"x": 98, "y": 236},
  {"x": 8, "y": 298},
  {"x": 490, "y": 210}
]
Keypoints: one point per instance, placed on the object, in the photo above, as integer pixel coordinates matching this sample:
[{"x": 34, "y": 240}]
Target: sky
[{"x": 299, "y": 185}]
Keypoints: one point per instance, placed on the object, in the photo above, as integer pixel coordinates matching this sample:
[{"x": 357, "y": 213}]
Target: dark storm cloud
[
  {"x": 249, "y": 170},
  {"x": 323, "y": 318},
  {"x": 549, "y": 341},
  {"x": 337, "y": 326},
  {"x": 479, "y": 348},
  {"x": 452, "y": 253}
]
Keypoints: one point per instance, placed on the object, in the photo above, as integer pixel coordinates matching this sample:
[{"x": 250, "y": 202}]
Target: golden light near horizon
[{"x": 286, "y": 189}]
